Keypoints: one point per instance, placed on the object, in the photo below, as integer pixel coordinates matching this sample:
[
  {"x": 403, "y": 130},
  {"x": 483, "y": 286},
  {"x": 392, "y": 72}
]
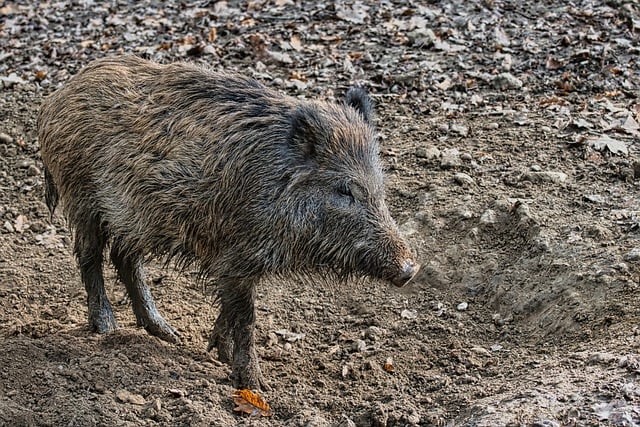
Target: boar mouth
[{"x": 408, "y": 271}]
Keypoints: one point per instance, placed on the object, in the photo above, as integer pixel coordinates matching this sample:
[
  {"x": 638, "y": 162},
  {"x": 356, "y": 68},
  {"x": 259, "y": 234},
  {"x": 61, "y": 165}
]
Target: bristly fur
[{"x": 182, "y": 163}]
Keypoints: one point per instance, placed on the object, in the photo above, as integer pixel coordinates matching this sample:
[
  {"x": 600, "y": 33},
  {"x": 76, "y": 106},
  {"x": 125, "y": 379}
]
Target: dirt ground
[{"x": 511, "y": 141}]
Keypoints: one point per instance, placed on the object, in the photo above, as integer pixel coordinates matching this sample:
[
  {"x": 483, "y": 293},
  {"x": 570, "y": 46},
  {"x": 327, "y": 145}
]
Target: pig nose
[{"x": 408, "y": 272}]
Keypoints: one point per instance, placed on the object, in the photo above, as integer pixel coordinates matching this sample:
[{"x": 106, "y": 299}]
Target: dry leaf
[
  {"x": 603, "y": 142},
  {"x": 213, "y": 34},
  {"x": 295, "y": 43},
  {"x": 388, "y": 365},
  {"x": 251, "y": 403},
  {"x": 553, "y": 64}
]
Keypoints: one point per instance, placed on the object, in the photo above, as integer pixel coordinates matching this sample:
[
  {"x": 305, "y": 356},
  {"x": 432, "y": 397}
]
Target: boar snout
[{"x": 407, "y": 271}]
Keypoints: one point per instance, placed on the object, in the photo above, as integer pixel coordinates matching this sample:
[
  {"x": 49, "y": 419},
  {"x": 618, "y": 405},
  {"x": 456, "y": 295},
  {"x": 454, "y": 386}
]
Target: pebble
[
  {"x": 462, "y": 306},
  {"x": 9, "y": 227},
  {"x": 408, "y": 314},
  {"x": 460, "y": 129},
  {"x": 11, "y": 80},
  {"x": 493, "y": 126},
  {"x": 373, "y": 333},
  {"x": 463, "y": 179},
  {"x": 33, "y": 170},
  {"x": 633, "y": 255},
  {"x": 466, "y": 157},
  {"x": 359, "y": 345},
  {"x": 127, "y": 397},
  {"x": 5, "y": 138},
  {"x": 505, "y": 81},
  {"x": 545, "y": 176},
  {"x": 428, "y": 152},
  {"x": 488, "y": 217},
  {"x": 450, "y": 158}
]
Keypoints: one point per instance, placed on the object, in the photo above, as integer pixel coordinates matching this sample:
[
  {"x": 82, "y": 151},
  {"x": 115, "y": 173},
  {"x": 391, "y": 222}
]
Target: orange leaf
[
  {"x": 388, "y": 366},
  {"x": 250, "y": 403},
  {"x": 213, "y": 34}
]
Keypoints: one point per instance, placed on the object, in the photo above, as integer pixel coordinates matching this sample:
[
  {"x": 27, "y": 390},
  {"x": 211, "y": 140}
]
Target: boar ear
[
  {"x": 308, "y": 129},
  {"x": 358, "y": 99}
]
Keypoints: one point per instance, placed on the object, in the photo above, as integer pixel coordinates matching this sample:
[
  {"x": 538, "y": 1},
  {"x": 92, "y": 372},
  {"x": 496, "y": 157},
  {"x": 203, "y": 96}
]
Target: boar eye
[{"x": 345, "y": 192}]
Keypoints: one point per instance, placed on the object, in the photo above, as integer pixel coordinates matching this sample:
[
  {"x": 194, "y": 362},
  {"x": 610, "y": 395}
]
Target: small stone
[
  {"x": 126, "y": 396},
  {"x": 505, "y": 81},
  {"x": 466, "y": 157},
  {"x": 462, "y": 306},
  {"x": 535, "y": 168},
  {"x": 450, "y": 158},
  {"x": 408, "y": 314},
  {"x": 465, "y": 213},
  {"x": 5, "y": 138},
  {"x": 9, "y": 227},
  {"x": 545, "y": 176},
  {"x": 493, "y": 126},
  {"x": 463, "y": 179},
  {"x": 488, "y": 217},
  {"x": 373, "y": 333},
  {"x": 633, "y": 255},
  {"x": 33, "y": 170},
  {"x": 359, "y": 345},
  {"x": 460, "y": 129},
  {"x": 11, "y": 80},
  {"x": 428, "y": 152},
  {"x": 496, "y": 347}
]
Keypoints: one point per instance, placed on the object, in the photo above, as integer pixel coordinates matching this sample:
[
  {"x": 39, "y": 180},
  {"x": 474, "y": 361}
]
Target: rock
[
  {"x": 450, "y": 158},
  {"x": 359, "y": 345},
  {"x": 428, "y": 152},
  {"x": 460, "y": 129},
  {"x": 633, "y": 255},
  {"x": 373, "y": 333},
  {"x": 506, "y": 81},
  {"x": 462, "y": 306},
  {"x": 488, "y": 217},
  {"x": 545, "y": 176},
  {"x": 127, "y": 397},
  {"x": 463, "y": 179},
  {"x": 10, "y": 80},
  {"x": 9, "y": 227},
  {"x": 33, "y": 170},
  {"x": 5, "y": 138},
  {"x": 408, "y": 314}
]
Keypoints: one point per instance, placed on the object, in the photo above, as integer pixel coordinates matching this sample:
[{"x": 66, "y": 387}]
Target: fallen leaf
[
  {"x": 613, "y": 145},
  {"x": 388, "y": 365},
  {"x": 553, "y": 64},
  {"x": 213, "y": 34},
  {"x": 295, "y": 43},
  {"x": 251, "y": 403},
  {"x": 355, "y": 13}
]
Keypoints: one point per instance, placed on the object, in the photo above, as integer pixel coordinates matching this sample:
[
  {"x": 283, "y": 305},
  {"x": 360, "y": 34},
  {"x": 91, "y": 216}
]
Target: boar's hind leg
[
  {"x": 131, "y": 273},
  {"x": 89, "y": 247},
  {"x": 237, "y": 299}
]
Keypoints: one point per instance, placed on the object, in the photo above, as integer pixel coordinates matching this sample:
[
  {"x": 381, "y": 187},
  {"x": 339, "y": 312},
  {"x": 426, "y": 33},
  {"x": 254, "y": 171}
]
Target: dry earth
[{"x": 510, "y": 135}]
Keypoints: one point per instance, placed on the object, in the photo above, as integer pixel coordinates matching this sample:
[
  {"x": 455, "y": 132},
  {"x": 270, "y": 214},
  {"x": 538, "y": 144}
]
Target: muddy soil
[{"x": 511, "y": 141}]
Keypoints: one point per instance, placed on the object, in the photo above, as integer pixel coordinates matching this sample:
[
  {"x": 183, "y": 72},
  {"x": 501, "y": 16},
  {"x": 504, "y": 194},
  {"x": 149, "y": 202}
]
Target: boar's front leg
[
  {"x": 220, "y": 338},
  {"x": 131, "y": 273},
  {"x": 236, "y": 322}
]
